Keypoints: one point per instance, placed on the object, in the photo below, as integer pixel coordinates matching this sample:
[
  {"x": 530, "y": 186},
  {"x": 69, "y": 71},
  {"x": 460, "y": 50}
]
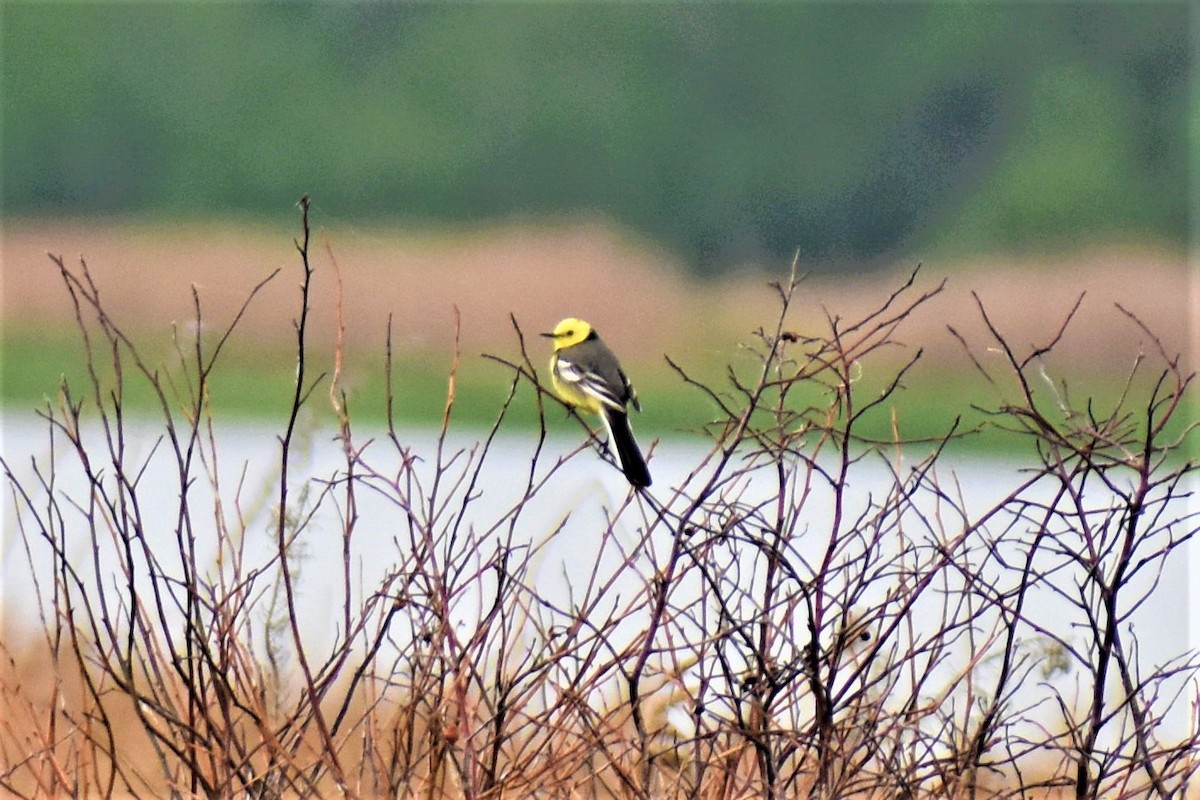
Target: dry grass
[{"x": 543, "y": 274}]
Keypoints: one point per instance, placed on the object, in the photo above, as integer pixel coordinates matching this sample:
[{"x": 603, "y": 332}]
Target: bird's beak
[{"x": 547, "y": 335}]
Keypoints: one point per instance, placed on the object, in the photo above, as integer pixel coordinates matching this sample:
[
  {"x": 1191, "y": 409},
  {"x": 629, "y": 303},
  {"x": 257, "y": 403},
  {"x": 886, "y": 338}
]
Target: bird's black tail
[{"x": 628, "y": 454}]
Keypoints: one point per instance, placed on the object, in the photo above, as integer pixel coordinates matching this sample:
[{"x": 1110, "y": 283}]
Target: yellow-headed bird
[{"x": 586, "y": 374}]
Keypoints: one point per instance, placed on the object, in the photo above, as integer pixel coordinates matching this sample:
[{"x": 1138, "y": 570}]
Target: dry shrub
[{"x": 761, "y": 627}]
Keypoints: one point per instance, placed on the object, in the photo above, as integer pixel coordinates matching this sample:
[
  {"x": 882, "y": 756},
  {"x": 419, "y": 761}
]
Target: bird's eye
[{"x": 570, "y": 333}]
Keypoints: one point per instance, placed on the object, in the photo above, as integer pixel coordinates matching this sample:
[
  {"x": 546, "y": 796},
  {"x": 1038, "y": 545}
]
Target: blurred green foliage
[
  {"x": 725, "y": 132},
  {"x": 255, "y": 382}
]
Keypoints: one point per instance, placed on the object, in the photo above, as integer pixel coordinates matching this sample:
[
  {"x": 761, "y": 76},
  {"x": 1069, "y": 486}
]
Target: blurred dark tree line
[{"x": 725, "y": 132}]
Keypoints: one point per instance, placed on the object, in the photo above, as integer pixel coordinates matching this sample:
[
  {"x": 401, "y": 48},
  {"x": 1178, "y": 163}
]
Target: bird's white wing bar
[
  {"x": 589, "y": 383},
  {"x": 567, "y": 371}
]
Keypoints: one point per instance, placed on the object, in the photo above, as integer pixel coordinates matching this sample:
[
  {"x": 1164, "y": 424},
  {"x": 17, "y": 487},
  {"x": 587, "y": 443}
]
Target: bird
[{"x": 585, "y": 374}]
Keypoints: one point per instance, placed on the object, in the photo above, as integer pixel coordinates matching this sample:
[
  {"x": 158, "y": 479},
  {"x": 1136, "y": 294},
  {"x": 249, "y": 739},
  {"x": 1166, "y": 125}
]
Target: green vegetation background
[
  {"x": 725, "y": 132},
  {"x": 257, "y": 383}
]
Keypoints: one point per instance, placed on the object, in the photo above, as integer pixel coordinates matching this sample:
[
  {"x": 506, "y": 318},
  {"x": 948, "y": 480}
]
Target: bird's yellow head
[{"x": 569, "y": 332}]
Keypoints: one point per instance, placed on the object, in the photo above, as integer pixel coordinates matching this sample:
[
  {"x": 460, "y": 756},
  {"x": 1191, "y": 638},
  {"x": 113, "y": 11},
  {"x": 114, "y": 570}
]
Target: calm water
[{"x": 564, "y": 519}]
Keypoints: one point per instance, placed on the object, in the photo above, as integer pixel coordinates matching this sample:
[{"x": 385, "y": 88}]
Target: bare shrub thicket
[{"x": 807, "y": 612}]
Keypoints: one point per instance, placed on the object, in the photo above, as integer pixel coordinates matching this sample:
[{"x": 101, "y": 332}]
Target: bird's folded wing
[{"x": 588, "y": 382}]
